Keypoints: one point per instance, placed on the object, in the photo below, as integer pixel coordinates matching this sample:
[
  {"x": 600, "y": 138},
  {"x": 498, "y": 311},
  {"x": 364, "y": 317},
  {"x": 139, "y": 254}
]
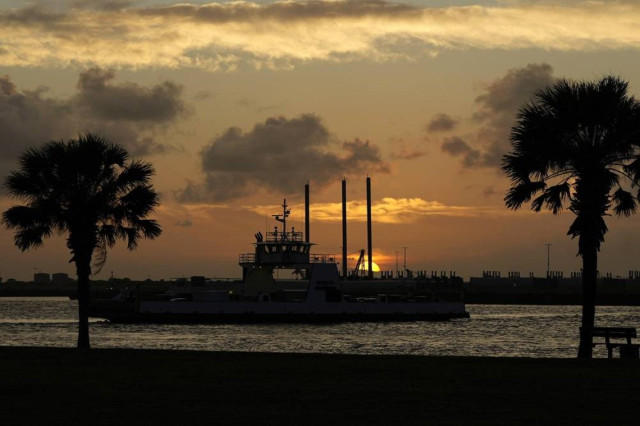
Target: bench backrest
[{"x": 615, "y": 332}]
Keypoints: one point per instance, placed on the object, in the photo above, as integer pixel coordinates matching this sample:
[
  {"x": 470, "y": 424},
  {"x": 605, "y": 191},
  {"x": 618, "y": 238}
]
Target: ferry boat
[{"x": 319, "y": 296}]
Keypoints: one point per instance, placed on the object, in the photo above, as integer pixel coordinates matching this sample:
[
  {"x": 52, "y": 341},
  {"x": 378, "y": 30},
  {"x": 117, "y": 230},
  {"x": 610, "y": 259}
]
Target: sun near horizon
[{"x": 239, "y": 104}]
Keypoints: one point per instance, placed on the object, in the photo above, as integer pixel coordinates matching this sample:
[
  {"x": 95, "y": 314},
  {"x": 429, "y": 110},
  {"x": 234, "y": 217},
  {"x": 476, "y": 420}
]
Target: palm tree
[
  {"x": 578, "y": 143},
  {"x": 88, "y": 190}
]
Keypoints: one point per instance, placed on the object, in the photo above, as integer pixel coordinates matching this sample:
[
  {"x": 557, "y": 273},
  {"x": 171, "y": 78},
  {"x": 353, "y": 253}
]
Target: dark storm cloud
[
  {"x": 497, "y": 110},
  {"x": 280, "y": 155},
  {"x": 128, "y": 101},
  {"x": 30, "y": 117},
  {"x": 441, "y": 123}
]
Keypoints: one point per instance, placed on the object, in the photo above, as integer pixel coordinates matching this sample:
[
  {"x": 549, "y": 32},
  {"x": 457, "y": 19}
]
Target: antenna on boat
[{"x": 283, "y": 218}]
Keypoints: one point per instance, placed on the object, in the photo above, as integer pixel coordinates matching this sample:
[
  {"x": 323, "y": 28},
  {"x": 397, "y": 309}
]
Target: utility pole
[
  {"x": 548, "y": 258},
  {"x": 396, "y": 263}
]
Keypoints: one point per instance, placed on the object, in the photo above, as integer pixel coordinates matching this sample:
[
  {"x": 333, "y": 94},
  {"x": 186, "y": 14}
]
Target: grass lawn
[{"x": 101, "y": 386}]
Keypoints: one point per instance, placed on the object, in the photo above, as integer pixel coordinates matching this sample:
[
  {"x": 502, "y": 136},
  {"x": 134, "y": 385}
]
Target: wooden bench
[{"x": 627, "y": 349}]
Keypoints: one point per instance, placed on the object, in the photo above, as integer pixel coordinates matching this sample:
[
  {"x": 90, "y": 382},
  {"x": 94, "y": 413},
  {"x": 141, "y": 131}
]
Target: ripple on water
[{"x": 492, "y": 330}]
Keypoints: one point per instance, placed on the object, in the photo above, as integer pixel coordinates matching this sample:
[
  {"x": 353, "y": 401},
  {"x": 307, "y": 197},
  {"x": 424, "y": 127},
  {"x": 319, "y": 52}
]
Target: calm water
[{"x": 492, "y": 330}]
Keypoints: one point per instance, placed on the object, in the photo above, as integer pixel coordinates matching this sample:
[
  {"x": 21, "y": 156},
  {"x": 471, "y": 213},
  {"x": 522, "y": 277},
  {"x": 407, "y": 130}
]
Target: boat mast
[
  {"x": 306, "y": 212},
  {"x": 283, "y": 219}
]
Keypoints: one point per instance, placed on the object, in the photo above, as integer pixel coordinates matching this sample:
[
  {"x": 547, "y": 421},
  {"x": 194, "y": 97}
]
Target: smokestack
[
  {"x": 369, "y": 248},
  {"x": 344, "y": 228},
  {"x": 306, "y": 213}
]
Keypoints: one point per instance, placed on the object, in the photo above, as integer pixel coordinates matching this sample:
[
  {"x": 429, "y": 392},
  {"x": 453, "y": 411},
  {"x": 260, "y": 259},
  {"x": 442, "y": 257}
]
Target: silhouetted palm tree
[
  {"x": 578, "y": 143},
  {"x": 88, "y": 190}
]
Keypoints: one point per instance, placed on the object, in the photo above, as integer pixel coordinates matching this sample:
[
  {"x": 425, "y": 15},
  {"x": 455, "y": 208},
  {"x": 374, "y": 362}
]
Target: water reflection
[{"x": 492, "y": 330}]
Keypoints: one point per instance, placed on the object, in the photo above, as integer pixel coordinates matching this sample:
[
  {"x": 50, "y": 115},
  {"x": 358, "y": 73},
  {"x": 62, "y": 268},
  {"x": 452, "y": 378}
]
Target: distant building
[
  {"x": 61, "y": 278},
  {"x": 41, "y": 278}
]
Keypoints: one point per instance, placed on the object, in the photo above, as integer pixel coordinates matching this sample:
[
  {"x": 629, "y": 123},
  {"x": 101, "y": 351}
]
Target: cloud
[
  {"x": 490, "y": 191},
  {"x": 289, "y": 11},
  {"x": 406, "y": 151},
  {"x": 108, "y": 5},
  {"x": 31, "y": 117},
  {"x": 496, "y": 111},
  {"x": 244, "y": 102},
  {"x": 279, "y": 155},
  {"x": 128, "y": 101},
  {"x": 441, "y": 123},
  {"x": 202, "y": 95},
  {"x": 456, "y": 146},
  {"x": 282, "y": 34},
  {"x": 187, "y": 223},
  {"x": 31, "y": 16},
  {"x": 506, "y": 94},
  {"x": 7, "y": 88},
  {"x": 387, "y": 210}
]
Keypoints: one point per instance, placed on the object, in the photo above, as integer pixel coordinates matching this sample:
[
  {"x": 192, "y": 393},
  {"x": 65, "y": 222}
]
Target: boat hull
[
  {"x": 253, "y": 318},
  {"x": 225, "y": 313}
]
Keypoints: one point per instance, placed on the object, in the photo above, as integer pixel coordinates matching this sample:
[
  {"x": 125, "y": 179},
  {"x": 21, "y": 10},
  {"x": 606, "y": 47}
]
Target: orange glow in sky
[{"x": 239, "y": 104}]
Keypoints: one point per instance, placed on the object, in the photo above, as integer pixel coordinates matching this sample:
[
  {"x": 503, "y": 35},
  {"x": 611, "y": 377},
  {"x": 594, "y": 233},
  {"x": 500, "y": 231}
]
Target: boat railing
[
  {"x": 322, "y": 258},
  {"x": 313, "y": 258},
  {"x": 284, "y": 236}
]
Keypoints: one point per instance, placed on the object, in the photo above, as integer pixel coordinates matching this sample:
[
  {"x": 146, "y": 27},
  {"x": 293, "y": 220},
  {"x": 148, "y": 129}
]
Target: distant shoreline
[
  {"x": 124, "y": 386},
  {"x": 540, "y": 297}
]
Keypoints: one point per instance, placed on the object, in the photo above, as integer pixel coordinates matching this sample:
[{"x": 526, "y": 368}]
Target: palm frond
[
  {"x": 150, "y": 228},
  {"x": 137, "y": 173},
  {"x": 139, "y": 201},
  {"x": 610, "y": 178},
  {"x": 107, "y": 234},
  {"x": 110, "y": 153},
  {"x": 633, "y": 170},
  {"x": 624, "y": 203},
  {"x": 24, "y": 217},
  {"x": 522, "y": 193},
  {"x": 100, "y": 257},
  {"x": 553, "y": 197},
  {"x": 31, "y": 237},
  {"x": 132, "y": 237},
  {"x": 581, "y": 224}
]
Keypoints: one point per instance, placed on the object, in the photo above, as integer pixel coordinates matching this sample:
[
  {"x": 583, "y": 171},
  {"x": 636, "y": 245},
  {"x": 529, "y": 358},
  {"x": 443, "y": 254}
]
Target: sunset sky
[{"x": 239, "y": 104}]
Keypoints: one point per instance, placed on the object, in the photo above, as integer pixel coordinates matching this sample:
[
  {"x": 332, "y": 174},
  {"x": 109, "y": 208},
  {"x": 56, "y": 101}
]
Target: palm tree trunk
[
  {"x": 83, "y": 269},
  {"x": 589, "y": 280}
]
